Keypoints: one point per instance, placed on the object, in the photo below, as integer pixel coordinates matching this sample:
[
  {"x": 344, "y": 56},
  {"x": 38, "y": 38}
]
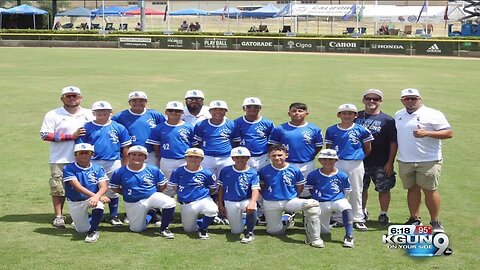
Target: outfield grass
[{"x": 31, "y": 80}]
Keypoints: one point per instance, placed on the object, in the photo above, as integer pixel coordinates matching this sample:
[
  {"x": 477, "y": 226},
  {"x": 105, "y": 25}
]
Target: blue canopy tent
[
  {"x": 267, "y": 11},
  {"x": 26, "y": 10},
  {"x": 111, "y": 11},
  {"x": 189, "y": 12},
  {"x": 75, "y": 13},
  {"x": 229, "y": 12}
]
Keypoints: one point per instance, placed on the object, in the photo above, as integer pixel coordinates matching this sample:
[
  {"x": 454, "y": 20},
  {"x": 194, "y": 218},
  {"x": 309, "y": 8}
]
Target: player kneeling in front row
[
  {"x": 281, "y": 184},
  {"x": 194, "y": 185},
  {"x": 330, "y": 187},
  {"x": 238, "y": 193},
  {"x": 85, "y": 186},
  {"x": 141, "y": 186}
]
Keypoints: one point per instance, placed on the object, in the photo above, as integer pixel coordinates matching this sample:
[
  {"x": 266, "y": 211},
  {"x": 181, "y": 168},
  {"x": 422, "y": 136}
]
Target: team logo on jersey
[
  {"x": 184, "y": 134},
  {"x": 261, "y": 131},
  {"x": 225, "y": 134},
  {"x": 334, "y": 186},
  {"x": 288, "y": 177},
  {"x": 151, "y": 123},
  {"x": 148, "y": 179},
  {"x": 374, "y": 126},
  {"x": 198, "y": 179},
  {"x": 92, "y": 178},
  {"x": 113, "y": 136},
  {"x": 243, "y": 181},
  {"x": 307, "y": 137},
  {"x": 353, "y": 137}
]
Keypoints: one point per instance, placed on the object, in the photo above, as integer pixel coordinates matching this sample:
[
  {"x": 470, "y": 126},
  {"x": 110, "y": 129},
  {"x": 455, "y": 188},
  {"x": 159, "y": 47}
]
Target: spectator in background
[
  {"x": 183, "y": 26},
  {"x": 197, "y": 26}
]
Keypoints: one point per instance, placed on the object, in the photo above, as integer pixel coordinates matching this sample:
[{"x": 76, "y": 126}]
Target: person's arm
[
  {"x": 388, "y": 168},
  {"x": 156, "y": 149},
  {"x": 61, "y": 137},
  {"x": 300, "y": 189},
  {"x": 161, "y": 188},
  {"x": 367, "y": 148},
  {"x": 317, "y": 150},
  {"x": 220, "y": 202},
  {"x": 435, "y": 134},
  {"x": 252, "y": 206},
  {"x": 124, "y": 155}
]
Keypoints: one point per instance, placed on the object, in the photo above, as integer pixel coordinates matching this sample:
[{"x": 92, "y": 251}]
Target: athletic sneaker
[
  {"x": 414, "y": 221},
  {"x": 73, "y": 224},
  {"x": 348, "y": 241},
  {"x": 167, "y": 234},
  {"x": 365, "y": 214},
  {"x": 288, "y": 220},
  {"x": 317, "y": 243},
  {"x": 92, "y": 237},
  {"x": 437, "y": 226},
  {"x": 261, "y": 220},
  {"x": 59, "y": 222},
  {"x": 126, "y": 221},
  {"x": 336, "y": 224},
  {"x": 383, "y": 220},
  {"x": 203, "y": 234},
  {"x": 115, "y": 221},
  {"x": 220, "y": 221},
  {"x": 247, "y": 238},
  {"x": 360, "y": 226}
]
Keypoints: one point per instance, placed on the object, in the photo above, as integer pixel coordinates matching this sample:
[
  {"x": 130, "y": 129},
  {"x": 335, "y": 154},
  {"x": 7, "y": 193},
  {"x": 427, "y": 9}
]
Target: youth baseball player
[
  {"x": 302, "y": 140},
  {"x": 330, "y": 186},
  {"x": 139, "y": 121},
  {"x": 60, "y": 128},
  {"x": 111, "y": 141},
  {"x": 85, "y": 185},
  {"x": 141, "y": 186},
  {"x": 238, "y": 192},
  {"x": 352, "y": 143},
  {"x": 195, "y": 111},
  {"x": 193, "y": 185},
  {"x": 281, "y": 183}
]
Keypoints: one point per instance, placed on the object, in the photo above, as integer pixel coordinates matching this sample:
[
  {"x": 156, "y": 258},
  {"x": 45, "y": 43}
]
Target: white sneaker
[
  {"x": 92, "y": 237},
  {"x": 126, "y": 221},
  {"x": 317, "y": 243},
  {"x": 360, "y": 226},
  {"x": 203, "y": 234},
  {"x": 167, "y": 234},
  {"x": 247, "y": 238},
  {"x": 115, "y": 221},
  {"x": 158, "y": 224},
  {"x": 73, "y": 224},
  {"x": 59, "y": 222},
  {"x": 348, "y": 241}
]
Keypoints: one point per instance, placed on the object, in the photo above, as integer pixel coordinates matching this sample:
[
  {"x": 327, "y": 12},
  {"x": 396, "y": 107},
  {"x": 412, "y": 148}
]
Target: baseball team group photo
[{"x": 205, "y": 158}]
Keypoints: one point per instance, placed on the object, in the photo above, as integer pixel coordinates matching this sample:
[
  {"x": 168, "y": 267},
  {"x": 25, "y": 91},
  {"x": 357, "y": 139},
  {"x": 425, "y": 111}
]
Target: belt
[{"x": 182, "y": 203}]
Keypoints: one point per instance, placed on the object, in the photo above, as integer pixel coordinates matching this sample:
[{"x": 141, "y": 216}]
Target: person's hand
[
  {"x": 420, "y": 132},
  {"x": 251, "y": 207},
  {"x": 93, "y": 201},
  {"x": 104, "y": 199},
  {"x": 79, "y": 132},
  {"x": 388, "y": 169},
  {"x": 222, "y": 210}
]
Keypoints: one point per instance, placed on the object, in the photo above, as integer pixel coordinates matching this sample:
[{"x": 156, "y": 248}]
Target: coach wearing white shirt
[
  {"x": 61, "y": 127},
  {"x": 195, "y": 111},
  {"x": 419, "y": 131}
]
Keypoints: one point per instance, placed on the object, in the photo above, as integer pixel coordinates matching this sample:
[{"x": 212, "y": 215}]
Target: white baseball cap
[
  {"x": 138, "y": 149},
  {"x": 347, "y": 108},
  {"x": 218, "y": 104},
  {"x": 409, "y": 92},
  {"x": 174, "y": 105},
  {"x": 83, "y": 147},
  {"x": 373, "y": 91},
  {"x": 71, "y": 90},
  {"x": 327, "y": 153},
  {"x": 137, "y": 95},
  {"x": 252, "y": 101},
  {"x": 101, "y": 105},
  {"x": 194, "y": 93},
  {"x": 240, "y": 152},
  {"x": 196, "y": 152}
]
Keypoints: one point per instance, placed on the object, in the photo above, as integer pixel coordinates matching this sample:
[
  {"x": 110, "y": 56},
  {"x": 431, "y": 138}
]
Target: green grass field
[{"x": 31, "y": 80}]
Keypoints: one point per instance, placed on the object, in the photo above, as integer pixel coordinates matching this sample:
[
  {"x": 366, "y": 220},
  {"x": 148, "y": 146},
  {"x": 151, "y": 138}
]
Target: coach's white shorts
[
  {"x": 305, "y": 169},
  {"x": 258, "y": 162},
  {"x": 137, "y": 211},
  {"x": 191, "y": 211},
  {"x": 109, "y": 166},
  {"x": 216, "y": 164},
  {"x": 327, "y": 208},
  {"x": 234, "y": 214},
  {"x": 79, "y": 212},
  {"x": 167, "y": 166},
  {"x": 273, "y": 211}
]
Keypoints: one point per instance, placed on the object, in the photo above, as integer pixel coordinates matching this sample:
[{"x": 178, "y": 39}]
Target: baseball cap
[
  {"x": 174, "y": 105},
  {"x": 71, "y": 90},
  {"x": 137, "y": 95},
  {"x": 101, "y": 105},
  {"x": 138, "y": 149},
  {"x": 83, "y": 147},
  {"x": 194, "y": 93},
  {"x": 409, "y": 92},
  {"x": 373, "y": 91},
  {"x": 218, "y": 104},
  {"x": 196, "y": 152},
  {"x": 240, "y": 152},
  {"x": 252, "y": 101},
  {"x": 347, "y": 108},
  {"x": 327, "y": 153}
]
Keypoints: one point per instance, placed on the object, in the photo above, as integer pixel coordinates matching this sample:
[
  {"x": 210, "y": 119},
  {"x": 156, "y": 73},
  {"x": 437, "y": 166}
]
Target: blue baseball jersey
[
  {"x": 300, "y": 141},
  {"x": 348, "y": 142},
  {"x": 280, "y": 184},
  {"x": 107, "y": 139},
  {"x": 238, "y": 185},
  {"x": 88, "y": 177},
  {"x": 173, "y": 140},
  {"x": 137, "y": 185},
  {"x": 215, "y": 140},
  {"x": 192, "y": 185},
  {"x": 139, "y": 125},
  {"x": 328, "y": 188},
  {"x": 253, "y": 135}
]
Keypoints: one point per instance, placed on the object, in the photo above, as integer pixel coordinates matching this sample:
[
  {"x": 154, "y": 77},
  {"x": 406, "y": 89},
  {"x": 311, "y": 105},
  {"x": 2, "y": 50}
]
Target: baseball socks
[
  {"x": 347, "y": 218},
  {"x": 97, "y": 215},
  {"x": 167, "y": 217},
  {"x": 251, "y": 220}
]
